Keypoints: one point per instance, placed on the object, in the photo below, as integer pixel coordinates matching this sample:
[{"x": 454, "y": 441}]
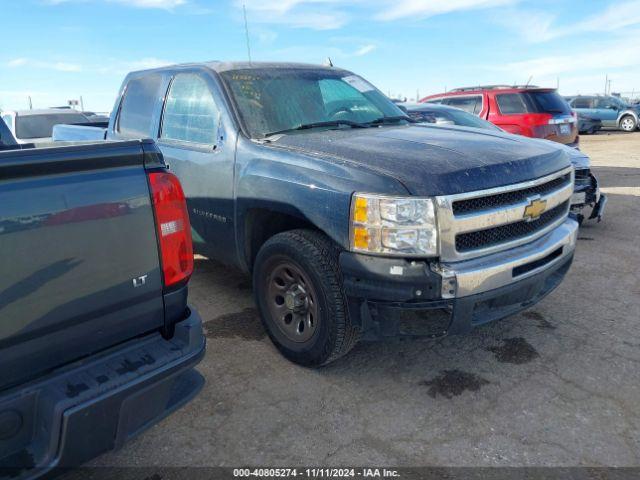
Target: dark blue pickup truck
[
  {"x": 96, "y": 339},
  {"x": 353, "y": 222}
]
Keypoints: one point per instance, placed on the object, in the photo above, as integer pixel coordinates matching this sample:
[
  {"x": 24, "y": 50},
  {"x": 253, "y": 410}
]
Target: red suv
[{"x": 529, "y": 111}]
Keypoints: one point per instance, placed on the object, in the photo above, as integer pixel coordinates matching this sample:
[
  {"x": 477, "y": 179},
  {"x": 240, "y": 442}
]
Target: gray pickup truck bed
[{"x": 80, "y": 334}]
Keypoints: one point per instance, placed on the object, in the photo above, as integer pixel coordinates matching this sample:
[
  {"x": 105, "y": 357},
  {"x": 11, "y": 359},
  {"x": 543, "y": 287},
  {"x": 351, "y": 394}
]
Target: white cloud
[
  {"x": 430, "y": 8},
  {"x": 612, "y": 19},
  {"x": 160, "y": 4},
  {"x": 17, "y": 62},
  {"x": 364, "y": 50},
  {"x": 312, "y": 14},
  {"x": 585, "y": 70},
  {"x": 164, "y": 4},
  {"x": 620, "y": 56},
  {"x": 333, "y": 14},
  {"x": 284, "y": 6},
  {"x": 112, "y": 66},
  {"x": 144, "y": 64},
  {"x": 616, "y": 16},
  {"x": 45, "y": 65}
]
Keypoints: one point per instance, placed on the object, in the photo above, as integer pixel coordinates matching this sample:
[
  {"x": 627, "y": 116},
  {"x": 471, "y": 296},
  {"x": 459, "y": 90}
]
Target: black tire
[
  {"x": 628, "y": 123},
  {"x": 316, "y": 257}
]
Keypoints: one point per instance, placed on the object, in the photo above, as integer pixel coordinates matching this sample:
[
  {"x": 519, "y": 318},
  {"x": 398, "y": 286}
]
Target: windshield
[
  {"x": 450, "y": 116},
  {"x": 279, "y": 99},
  {"x": 41, "y": 126}
]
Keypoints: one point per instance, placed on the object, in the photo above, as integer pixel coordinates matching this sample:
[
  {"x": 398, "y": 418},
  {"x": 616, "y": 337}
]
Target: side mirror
[{"x": 612, "y": 107}]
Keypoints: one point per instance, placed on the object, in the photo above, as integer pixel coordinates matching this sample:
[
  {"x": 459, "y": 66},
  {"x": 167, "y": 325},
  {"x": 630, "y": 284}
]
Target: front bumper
[
  {"x": 73, "y": 415},
  {"x": 419, "y": 298},
  {"x": 587, "y": 194}
]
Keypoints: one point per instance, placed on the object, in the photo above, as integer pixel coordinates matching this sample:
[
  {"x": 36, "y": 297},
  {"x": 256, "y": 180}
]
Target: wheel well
[
  {"x": 262, "y": 224},
  {"x": 628, "y": 115}
]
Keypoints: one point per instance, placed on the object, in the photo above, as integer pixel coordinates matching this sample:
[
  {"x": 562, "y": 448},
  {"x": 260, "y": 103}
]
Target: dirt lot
[{"x": 556, "y": 385}]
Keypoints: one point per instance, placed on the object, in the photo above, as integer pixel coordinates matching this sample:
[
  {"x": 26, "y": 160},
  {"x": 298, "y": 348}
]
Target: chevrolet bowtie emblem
[{"x": 535, "y": 208}]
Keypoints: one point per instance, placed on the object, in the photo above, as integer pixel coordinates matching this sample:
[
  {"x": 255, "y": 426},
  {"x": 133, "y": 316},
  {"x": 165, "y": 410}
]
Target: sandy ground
[{"x": 556, "y": 385}]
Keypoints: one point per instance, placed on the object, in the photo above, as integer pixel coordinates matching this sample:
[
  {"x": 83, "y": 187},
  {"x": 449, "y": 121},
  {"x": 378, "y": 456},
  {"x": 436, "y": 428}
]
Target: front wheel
[
  {"x": 628, "y": 123},
  {"x": 298, "y": 288}
]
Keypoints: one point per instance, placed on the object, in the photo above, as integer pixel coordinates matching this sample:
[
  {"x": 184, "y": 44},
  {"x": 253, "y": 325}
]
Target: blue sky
[{"x": 55, "y": 50}]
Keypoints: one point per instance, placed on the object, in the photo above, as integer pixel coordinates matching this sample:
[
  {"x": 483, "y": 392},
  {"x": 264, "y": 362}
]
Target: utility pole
[
  {"x": 81, "y": 104},
  {"x": 246, "y": 31},
  {"x": 30, "y": 103},
  {"x": 606, "y": 83}
]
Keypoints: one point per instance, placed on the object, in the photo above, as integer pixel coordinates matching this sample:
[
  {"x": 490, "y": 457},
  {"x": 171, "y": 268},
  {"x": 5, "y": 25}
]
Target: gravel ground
[{"x": 556, "y": 385}]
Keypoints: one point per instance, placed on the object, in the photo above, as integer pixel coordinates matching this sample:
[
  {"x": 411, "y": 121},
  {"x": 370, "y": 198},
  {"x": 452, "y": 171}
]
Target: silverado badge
[{"x": 535, "y": 208}]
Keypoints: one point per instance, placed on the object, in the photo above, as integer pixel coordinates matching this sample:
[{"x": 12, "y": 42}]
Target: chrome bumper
[{"x": 470, "y": 277}]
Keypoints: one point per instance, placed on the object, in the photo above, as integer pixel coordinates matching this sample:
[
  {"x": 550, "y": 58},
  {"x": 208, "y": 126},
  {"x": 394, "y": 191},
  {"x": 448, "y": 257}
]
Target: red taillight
[{"x": 174, "y": 229}]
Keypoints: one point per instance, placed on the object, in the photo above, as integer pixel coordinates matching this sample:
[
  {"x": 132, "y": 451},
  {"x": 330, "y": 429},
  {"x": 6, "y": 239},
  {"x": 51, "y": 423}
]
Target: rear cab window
[{"x": 138, "y": 105}]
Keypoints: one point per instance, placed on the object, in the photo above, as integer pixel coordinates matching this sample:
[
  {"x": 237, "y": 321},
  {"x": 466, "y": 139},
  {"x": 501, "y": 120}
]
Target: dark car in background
[
  {"x": 36, "y": 126},
  {"x": 588, "y": 125},
  {"x": 612, "y": 111},
  {"x": 524, "y": 110},
  {"x": 433, "y": 113},
  {"x": 586, "y": 191}
]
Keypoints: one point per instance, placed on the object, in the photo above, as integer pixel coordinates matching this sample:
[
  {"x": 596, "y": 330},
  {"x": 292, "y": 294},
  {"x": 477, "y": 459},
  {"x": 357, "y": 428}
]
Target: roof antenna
[
  {"x": 529, "y": 81},
  {"x": 246, "y": 31},
  {"x": 328, "y": 62}
]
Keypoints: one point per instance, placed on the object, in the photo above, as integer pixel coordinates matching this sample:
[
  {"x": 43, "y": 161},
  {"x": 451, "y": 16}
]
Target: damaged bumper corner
[{"x": 587, "y": 195}]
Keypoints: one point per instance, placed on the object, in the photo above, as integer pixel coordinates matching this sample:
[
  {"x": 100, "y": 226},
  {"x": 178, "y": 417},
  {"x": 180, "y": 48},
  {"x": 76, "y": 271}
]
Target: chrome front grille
[
  {"x": 512, "y": 231},
  {"x": 470, "y": 205},
  {"x": 479, "y": 223}
]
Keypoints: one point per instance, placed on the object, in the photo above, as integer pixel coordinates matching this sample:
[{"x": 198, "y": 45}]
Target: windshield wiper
[
  {"x": 394, "y": 119},
  {"x": 329, "y": 123}
]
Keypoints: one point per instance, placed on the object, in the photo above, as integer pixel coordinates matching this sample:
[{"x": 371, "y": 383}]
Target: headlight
[{"x": 393, "y": 225}]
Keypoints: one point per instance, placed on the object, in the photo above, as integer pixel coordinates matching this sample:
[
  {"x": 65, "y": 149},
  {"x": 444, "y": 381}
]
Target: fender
[{"x": 313, "y": 189}]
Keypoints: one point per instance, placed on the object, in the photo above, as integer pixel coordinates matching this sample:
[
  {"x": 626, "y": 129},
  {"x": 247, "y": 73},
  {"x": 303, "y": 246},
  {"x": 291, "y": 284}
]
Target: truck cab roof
[{"x": 225, "y": 66}]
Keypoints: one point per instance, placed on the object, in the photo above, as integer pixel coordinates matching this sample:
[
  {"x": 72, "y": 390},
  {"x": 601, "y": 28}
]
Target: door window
[
  {"x": 603, "y": 103},
  {"x": 511, "y": 103},
  {"x": 190, "y": 113},
  {"x": 472, "y": 104},
  {"x": 582, "y": 102}
]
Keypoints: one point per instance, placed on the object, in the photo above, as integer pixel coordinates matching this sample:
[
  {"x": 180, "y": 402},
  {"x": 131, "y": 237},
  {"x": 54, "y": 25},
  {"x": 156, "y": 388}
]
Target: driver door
[{"x": 607, "y": 111}]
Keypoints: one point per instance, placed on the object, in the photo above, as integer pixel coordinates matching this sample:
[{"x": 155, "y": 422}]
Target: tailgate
[{"x": 76, "y": 230}]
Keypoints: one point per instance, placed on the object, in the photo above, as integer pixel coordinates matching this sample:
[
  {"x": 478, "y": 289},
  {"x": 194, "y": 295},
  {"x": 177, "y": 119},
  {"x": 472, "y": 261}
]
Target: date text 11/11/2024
[{"x": 316, "y": 472}]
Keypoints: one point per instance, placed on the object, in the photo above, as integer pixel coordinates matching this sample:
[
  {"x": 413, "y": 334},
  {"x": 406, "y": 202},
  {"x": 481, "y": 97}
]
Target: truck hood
[{"x": 431, "y": 160}]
